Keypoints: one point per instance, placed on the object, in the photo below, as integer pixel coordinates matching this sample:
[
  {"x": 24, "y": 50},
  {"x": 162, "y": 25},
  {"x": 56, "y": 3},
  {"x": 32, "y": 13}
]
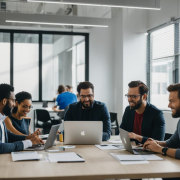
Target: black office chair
[
  {"x": 43, "y": 120},
  {"x": 167, "y": 136},
  {"x": 114, "y": 123}
]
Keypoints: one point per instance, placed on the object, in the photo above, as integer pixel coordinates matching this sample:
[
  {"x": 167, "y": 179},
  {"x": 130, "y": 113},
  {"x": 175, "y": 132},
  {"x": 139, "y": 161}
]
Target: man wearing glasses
[
  {"x": 10, "y": 142},
  {"x": 87, "y": 109},
  {"x": 141, "y": 119}
]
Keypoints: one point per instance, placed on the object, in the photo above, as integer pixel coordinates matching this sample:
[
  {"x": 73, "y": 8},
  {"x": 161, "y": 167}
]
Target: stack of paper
[
  {"x": 109, "y": 146},
  {"x": 25, "y": 156},
  {"x": 65, "y": 157},
  {"x": 136, "y": 159}
]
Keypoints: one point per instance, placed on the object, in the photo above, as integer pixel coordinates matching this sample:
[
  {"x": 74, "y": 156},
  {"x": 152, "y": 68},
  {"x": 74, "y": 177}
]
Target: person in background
[
  {"x": 69, "y": 88},
  {"x": 64, "y": 99},
  {"x": 17, "y": 122},
  {"x": 10, "y": 142},
  {"x": 87, "y": 109},
  {"x": 141, "y": 119}
]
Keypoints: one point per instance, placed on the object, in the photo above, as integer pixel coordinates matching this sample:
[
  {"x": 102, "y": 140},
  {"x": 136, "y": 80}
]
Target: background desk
[{"x": 98, "y": 165}]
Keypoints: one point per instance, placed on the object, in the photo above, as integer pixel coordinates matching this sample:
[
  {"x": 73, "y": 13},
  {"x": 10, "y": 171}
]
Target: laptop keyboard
[{"x": 141, "y": 151}]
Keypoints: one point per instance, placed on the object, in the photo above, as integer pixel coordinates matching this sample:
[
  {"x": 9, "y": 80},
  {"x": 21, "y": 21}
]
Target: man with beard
[
  {"x": 87, "y": 109},
  {"x": 141, "y": 119},
  {"x": 170, "y": 147},
  {"x": 10, "y": 142}
]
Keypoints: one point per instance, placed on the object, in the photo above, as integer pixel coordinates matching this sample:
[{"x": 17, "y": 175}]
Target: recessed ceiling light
[
  {"x": 55, "y": 24},
  {"x": 84, "y": 4}
]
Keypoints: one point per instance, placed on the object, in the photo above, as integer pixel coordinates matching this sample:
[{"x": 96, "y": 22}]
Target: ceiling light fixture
[
  {"x": 55, "y": 24},
  {"x": 102, "y": 5}
]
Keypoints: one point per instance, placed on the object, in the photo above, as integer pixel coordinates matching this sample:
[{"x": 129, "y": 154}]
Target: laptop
[
  {"x": 50, "y": 140},
  {"x": 83, "y": 132},
  {"x": 124, "y": 135}
]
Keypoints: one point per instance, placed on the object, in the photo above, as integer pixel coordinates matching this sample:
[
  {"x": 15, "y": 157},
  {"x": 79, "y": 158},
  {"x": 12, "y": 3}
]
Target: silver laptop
[
  {"x": 50, "y": 140},
  {"x": 124, "y": 135},
  {"x": 83, "y": 132}
]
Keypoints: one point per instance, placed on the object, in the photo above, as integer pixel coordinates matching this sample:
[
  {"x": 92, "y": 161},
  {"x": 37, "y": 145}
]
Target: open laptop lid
[
  {"x": 52, "y": 136},
  {"x": 124, "y": 135},
  {"x": 83, "y": 132}
]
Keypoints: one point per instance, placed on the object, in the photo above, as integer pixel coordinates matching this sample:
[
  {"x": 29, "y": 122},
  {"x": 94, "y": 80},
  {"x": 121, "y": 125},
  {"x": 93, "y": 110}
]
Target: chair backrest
[
  {"x": 114, "y": 120},
  {"x": 42, "y": 115},
  {"x": 45, "y": 104},
  {"x": 61, "y": 114},
  {"x": 167, "y": 136}
]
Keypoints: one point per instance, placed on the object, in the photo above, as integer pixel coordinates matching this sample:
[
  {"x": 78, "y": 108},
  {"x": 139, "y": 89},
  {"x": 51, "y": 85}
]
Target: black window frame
[{"x": 40, "y": 34}]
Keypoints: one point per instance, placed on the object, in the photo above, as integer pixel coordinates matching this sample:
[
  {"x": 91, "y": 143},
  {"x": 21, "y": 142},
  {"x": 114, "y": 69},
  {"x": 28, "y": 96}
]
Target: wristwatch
[{"x": 164, "y": 150}]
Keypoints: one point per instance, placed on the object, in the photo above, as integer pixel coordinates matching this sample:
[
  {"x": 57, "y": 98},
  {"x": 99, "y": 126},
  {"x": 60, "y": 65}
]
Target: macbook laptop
[
  {"x": 124, "y": 135},
  {"x": 83, "y": 132},
  {"x": 50, "y": 140}
]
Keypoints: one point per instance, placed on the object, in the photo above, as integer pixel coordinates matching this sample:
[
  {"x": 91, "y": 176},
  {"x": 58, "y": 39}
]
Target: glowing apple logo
[{"x": 82, "y": 133}]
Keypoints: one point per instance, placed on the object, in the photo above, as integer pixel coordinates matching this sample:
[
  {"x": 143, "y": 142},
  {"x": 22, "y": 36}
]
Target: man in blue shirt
[
  {"x": 64, "y": 99},
  {"x": 87, "y": 109}
]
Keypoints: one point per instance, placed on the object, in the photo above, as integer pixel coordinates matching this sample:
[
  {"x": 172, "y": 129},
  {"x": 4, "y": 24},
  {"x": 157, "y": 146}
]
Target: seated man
[
  {"x": 141, "y": 119},
  {"x": 87, "y": 109},
  {"x": 172, "y": 145},
  {"x": 64, "y": 99},
  {"x": 10, "y": 142}
]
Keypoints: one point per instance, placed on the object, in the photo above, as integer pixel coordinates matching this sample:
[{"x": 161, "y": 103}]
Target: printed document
[{"x": 25, "y": 156}]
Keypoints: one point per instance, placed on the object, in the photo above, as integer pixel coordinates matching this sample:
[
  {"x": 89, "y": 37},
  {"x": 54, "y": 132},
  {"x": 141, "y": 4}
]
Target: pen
[
  {"x": 79, "y": 156},
  {"x": 103, "y": 145}
]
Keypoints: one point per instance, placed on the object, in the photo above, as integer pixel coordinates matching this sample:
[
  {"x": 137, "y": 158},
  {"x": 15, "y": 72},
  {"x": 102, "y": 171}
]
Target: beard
[
  {"x": 177, "y": 113},
  {"x": 7, "y": 110},
  {"x": 137, "y": 105},
  {"x": 86, "y": 106}
]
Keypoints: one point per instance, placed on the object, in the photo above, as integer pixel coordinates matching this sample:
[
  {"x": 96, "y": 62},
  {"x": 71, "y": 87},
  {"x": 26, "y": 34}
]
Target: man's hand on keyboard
[{"x": 36, "y": 140}]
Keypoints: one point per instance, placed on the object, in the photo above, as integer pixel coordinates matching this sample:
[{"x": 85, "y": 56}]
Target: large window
[
  {"x": 38, "y": 62},
  {"x": 163, "y": 63},
  {"x": 5, "y": 57}
]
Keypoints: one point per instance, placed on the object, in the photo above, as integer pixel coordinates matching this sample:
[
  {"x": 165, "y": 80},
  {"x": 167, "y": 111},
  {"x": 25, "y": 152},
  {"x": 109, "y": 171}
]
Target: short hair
[
  {"x": 5, "y": 91},
  {"x": 143, "y": 89},
  {"x": 69, "y": 87},
  {"x": 20, "y": 97},
  {"x": 61, "y": 89},
  {"x": 174, "y": 87},
  {"x": 85, "y": 85}
]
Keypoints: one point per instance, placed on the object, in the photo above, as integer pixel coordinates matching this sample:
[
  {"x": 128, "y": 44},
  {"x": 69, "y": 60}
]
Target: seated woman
[{"x": 17, "y": 122}]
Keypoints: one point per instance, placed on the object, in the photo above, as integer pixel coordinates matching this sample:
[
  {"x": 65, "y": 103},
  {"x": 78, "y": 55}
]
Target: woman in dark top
[{"x": 17, "y": 122}]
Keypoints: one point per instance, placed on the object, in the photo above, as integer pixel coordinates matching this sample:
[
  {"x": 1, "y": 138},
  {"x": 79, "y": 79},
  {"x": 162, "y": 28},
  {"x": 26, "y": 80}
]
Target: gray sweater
[{"x": 174, "y": 141}]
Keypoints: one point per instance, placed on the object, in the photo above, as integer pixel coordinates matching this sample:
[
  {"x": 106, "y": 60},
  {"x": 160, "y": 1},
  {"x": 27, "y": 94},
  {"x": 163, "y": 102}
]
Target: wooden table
[{"x": 98, "y": 165}]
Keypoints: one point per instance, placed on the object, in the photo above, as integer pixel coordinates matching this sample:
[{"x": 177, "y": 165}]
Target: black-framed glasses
[
  {"x": 27, "y": 107},
  {"x": 132, "y": 96},
  {"x": 13, "y": 100},
  {"x": 89, "y": 96}
]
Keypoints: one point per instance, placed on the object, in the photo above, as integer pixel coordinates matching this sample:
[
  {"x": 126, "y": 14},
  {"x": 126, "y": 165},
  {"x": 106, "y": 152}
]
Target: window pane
[
  {"x": 162, "y": 42},
  {"x": 60, "y": 63},
  {"x": 161, "y": 77},
  {"x": 5, "y": 58},
  {"x": 26, "y": 64}
]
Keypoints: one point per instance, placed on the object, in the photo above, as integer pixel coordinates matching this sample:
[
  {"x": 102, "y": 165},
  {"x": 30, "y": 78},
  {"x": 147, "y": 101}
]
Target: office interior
[{"x": 109, "y": 57}]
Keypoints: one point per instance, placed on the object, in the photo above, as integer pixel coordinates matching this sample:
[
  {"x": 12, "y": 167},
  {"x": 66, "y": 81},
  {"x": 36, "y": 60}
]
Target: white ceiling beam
[
  {"x": 140, "y": 4},
  {"x": 53, "y": 19}
]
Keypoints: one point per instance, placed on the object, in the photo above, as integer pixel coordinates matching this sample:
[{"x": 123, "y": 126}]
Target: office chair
[
  {"x": 167, "y": 136},
  {"x": 114, "y": 123},
  {"x": 43, "y": 120}
]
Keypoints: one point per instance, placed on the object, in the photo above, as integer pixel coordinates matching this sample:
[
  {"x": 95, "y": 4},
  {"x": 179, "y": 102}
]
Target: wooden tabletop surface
[{"x": 99, "y": 164}]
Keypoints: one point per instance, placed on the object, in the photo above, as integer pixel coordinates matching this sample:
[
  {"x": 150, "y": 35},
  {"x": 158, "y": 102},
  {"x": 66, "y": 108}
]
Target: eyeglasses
[
  {"x": 89, "y": 96},
  {"x": 132, "y": 96},
  {"x": 13, "y": 100},
  {"x": 26, "y": 107}
]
